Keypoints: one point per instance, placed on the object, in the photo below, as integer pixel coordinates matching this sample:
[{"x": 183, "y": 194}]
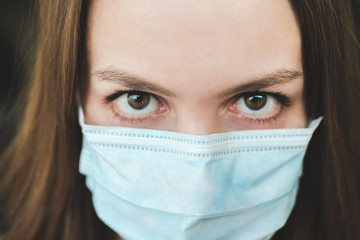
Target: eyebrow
[
  {"x": 131, "y": 81},
  {"x": 277, "y": 78},
  {"x": 138, "y": 83}
]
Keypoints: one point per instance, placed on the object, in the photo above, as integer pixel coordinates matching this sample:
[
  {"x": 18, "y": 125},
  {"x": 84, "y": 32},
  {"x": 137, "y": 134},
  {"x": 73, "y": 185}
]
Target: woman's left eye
[{"x": 259, "y": 105}]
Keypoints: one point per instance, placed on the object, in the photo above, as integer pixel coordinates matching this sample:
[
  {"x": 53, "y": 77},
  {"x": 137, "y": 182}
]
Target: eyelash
[
  {"x": 283, "y": 100},
  {"x": 132, "y": 120}
]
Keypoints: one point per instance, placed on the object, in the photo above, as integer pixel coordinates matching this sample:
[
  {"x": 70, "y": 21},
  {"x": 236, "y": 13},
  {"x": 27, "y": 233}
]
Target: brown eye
[
  {"x": 138, "y": 101},
  {"x": 255, "y": 101},
  {"x": 257, "y": 105}
]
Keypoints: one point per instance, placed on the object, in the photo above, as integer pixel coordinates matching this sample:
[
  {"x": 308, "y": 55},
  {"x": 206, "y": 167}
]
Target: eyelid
[
  {"x": 118, "y": 93},
  {"x": 282, "y": 98}
]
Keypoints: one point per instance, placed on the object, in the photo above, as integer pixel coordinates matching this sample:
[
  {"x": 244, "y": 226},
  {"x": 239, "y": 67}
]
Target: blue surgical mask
[{"x": 152, "y": 184}]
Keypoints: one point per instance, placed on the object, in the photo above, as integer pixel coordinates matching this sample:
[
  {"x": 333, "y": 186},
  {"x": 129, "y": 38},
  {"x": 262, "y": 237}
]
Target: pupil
[
  {"x": 255, "y": 101},
  {"x": 138, "y": 101}
]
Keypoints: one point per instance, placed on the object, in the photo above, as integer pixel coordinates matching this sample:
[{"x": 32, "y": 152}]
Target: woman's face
[{"x": 197, "y": 67}]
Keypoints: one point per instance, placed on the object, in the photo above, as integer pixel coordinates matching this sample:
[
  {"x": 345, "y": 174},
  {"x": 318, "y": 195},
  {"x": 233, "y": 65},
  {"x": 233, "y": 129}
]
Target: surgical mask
[{"x": 152, "y": 184}]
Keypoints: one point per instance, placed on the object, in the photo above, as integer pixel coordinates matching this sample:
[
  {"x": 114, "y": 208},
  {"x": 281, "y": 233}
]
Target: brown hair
[{"x": 42, "y": 195}]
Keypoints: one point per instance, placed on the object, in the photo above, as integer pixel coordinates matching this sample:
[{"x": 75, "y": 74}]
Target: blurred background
[{"x": 17, "y": 45}]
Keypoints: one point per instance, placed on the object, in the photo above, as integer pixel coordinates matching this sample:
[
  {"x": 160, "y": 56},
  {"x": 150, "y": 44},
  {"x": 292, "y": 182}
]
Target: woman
[{"x": 80, "y": 48}]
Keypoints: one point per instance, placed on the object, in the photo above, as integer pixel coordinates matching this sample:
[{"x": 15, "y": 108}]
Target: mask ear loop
[
  {"x": 315, "y": 123},
  {"x": 81, "y": 117}
]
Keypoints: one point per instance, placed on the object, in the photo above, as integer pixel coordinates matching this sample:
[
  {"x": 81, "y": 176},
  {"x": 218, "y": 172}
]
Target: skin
[{"x": 198, "y": 51}]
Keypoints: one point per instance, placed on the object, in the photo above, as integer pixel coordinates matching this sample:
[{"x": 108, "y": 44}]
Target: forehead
[{"x": 204, "y": 42}]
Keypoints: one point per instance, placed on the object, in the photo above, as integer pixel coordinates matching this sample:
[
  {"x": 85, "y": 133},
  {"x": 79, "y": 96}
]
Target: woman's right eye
[
  {"x": 134, "y": 107},
  {"x": 137, "y": 103}
]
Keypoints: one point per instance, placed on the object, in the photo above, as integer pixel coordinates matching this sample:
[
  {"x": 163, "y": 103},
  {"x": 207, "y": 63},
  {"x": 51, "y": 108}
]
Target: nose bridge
[{"x": 198, "y": 121}]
